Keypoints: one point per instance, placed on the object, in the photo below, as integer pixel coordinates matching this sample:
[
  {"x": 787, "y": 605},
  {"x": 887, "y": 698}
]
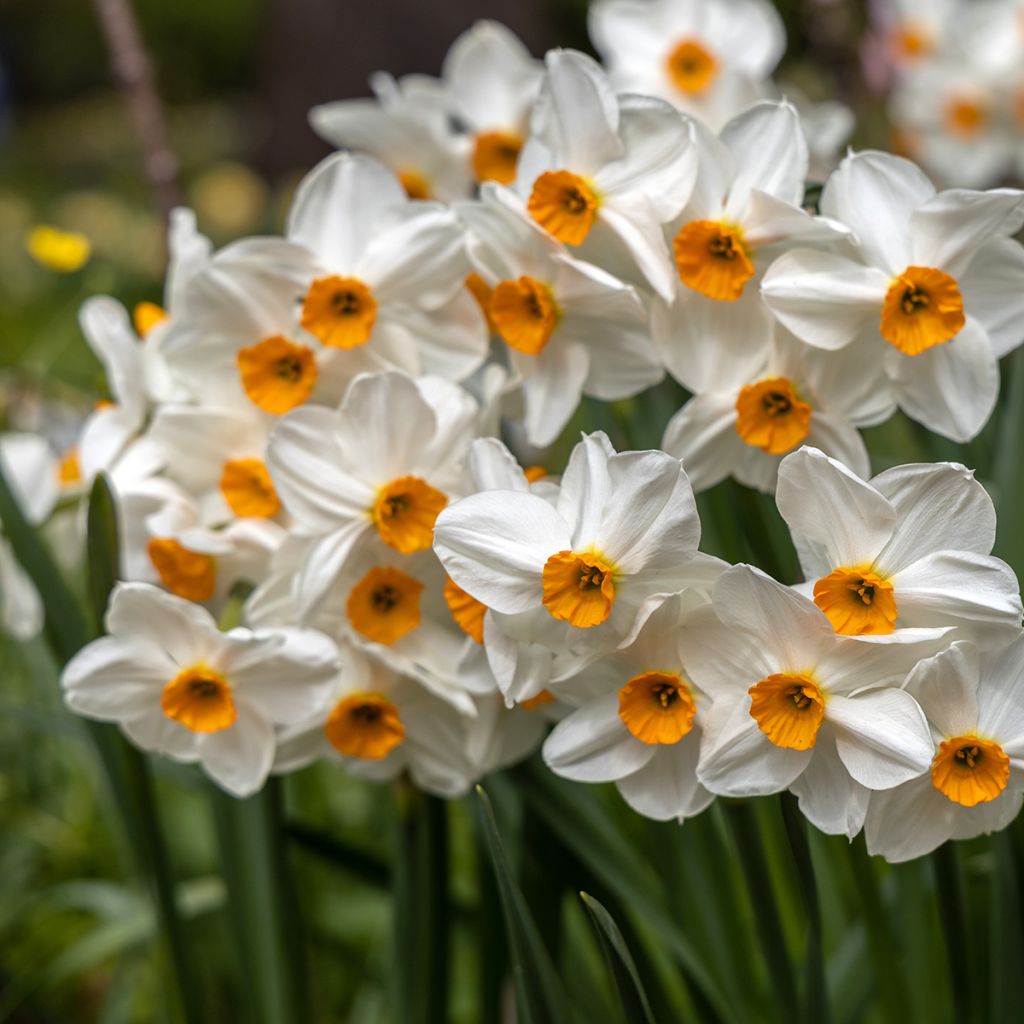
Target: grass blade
[
  {"x": 949, "y": 889},
  {"x": 540, "y": 995},
  {"x": 420, "y": 908},
  {"x": 632, "y": 998}
]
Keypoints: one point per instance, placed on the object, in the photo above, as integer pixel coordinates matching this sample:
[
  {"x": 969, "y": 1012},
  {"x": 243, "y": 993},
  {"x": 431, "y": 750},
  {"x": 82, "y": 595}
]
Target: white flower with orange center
[
  {"x": 744, "y": 210},
  {"x": 796, "y": 706},
  {"x": 490, "y": 82},
  {"x": 637, "y": 720},
  {"x": 937, "y": 278},
  {"x": 407, "y": 126},
  {"x": 386, "y": 462},
  {"x": 624, "y": 529},
  {"x": 178, "y": 686},
  {"x": 388, "y": 288},
  {"x": 710, "y": 58},
  {"x": 802, "y": 396},
  {"x": 975, "y": 707},
  {"x": 908, "y": 549},
  {"x": 568, "y": 327},
  {"x": 602, "y": 173}
]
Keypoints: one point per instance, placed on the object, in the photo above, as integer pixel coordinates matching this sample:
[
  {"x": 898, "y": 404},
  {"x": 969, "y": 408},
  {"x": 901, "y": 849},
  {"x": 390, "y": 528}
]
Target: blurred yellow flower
[{"x": 63, "y": 251}]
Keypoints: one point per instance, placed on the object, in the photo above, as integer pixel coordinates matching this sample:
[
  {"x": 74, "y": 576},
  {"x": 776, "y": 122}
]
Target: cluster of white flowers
[
  {"x": 317, "y": 417},
  {"x": 958, "y": 97}
]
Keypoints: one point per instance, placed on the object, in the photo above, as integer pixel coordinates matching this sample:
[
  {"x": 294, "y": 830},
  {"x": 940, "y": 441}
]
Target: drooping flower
[
  {"x": 909, "y": 548},
  {"x": 178, "y": 686}
]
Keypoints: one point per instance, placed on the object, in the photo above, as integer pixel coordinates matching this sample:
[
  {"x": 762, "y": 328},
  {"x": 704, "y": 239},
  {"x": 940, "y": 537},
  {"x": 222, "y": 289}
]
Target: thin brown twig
[{"x": 133, "y": 71}]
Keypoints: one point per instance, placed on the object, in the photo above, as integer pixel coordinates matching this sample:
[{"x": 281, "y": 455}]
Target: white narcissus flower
[
  {"x": 637, "y": 720},
  {"x": 624, "y": 532},
  {"x": 797, "y": 707},
  {"x": 711, "y": 58},
  {"x": 407, "y": 127},
  {"x": 178, "y": 686},
  {"x": 975, "y": 707},
  {"x": 802, "y": 396},
  {"x": 909, "y": 548},
  {"x": 569, "y": 327},
  {"x": 744, "y": 208},
  {"x": 936, "y": 275},
  {"x": 490, "y": 82},
  {"x": 602, "y": 172},
  {"x": 388, "y": 283},
  {"x": 386, "y": 461}
]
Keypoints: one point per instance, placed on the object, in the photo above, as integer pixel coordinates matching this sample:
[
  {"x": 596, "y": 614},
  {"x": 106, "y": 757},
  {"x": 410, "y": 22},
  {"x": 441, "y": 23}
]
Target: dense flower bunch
[
  {"x": 310, "y": 424},
  {"x": 956, "y": 68}
]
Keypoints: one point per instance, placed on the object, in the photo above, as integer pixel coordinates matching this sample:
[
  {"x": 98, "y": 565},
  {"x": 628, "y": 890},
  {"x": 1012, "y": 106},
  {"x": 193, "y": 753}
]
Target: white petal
[
  {"x": 495, "y": 544},
  {"x": 875, "y": 194},
  {"x": 634, "y": 220},
  {"x": 909, "y": 821},
  {"x": 586, "y": 485},
  {"x": 768, "y": 146},
  {"x": 183, "y": 630},
  {"x": 1001, "y": 696},
  {"x": 825, "y": 299},
  {"x": 881, "y": 736},
  {"x": 703, "y": 434},
  {"x": 950, "y": 228},
  {"x": 721, "y": 660},
  {"x": 31, "y": 472},
  {"x": 993, "y": 295},
  {"x": 238, "y": 758},
  {"x": 667, "y": 787},
  {"x": 946, "y": 687},
  {"x": 115, "y": 678},
  {"x": 950, "y": 388},
  {"x": 552, "y": 391},
  {"x": 835, "y": 517},
  {"x": 593, "y": 745},
  {"x": 829, "y": 798}
]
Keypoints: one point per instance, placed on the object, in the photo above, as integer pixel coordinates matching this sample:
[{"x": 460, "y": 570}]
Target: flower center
[
  {"x": 965, "y": 117},
  {"x": 69, "y": 472},
  {"x": 385, "y": 605},
  {"x": 789, "y": 709},
  {"x": 923, "y": 307},
  {"x": 579, "y": 588},
  {"x": 857, "y": 601},
  {"x": 712, "y": 258},
  {"x": 495, "y": 156},
  {"x": 466, "y": 610},
  {"x": 542, "y": 698},
  {"x": 564, "y": 204},
  {"x": 969, "y": 770},
  {"x": 364, "y": 725},
  {"x": 415, "y": 184},
  {"x": 200, "y": 699},
  {"x": 189, "y": 574},
  {"x": 909, "y": 41},
  {"x": 405, "y": 511},
  {"x": 146, "y": 316},
  {"x": 657, "y": 707},
  {"x": 770, "y": 415},
  {"x": 691, "y": 67},
  {"x": 248, "y": 489},
  {"x": 277, "y": 374},
  {"x": 524, "y": 313},
  {"x": 340, "y": 311}
]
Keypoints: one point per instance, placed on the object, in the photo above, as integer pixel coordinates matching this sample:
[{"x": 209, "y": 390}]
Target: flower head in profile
[
  {"x": 936, "y": 275},
  {"x": 796, "y": 706},
  {"x": 624, "y": 529},
  {"x": 178, "y": 686},
  {"x": 910, "y": 548},
  {"x": 974, "y": 707}
]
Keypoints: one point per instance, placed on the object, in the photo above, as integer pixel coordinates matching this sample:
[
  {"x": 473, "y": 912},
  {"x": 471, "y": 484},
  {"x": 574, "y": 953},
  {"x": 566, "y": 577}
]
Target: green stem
[
  {"x": 421, "y": 921},
  {"x": 262, "y": 905},
  {"x": 749, "y": 845},
  {"x": 816, "y": 1009},
  {"x": 949, "y": 890}
]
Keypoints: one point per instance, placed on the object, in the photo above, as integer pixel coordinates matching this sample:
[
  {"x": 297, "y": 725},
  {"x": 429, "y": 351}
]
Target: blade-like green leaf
[
  {"x": 632, "y": 998},
  {"x": 542, "y": 999},
  {"x": 104, "y": 568},
  {"x": 421, "y": 931}
]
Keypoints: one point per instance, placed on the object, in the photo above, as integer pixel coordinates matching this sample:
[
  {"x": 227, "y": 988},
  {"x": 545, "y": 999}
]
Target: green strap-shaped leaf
[
  {"x": 104, "y": 563},
  {"x": 630, "y": 989},
  {"x": 542, "y": 999}
]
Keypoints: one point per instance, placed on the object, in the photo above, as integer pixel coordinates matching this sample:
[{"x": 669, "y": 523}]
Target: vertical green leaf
[
  {"x": 632, "y": 998},
  {"x": 420, "y": 907},
  {"x": 949, "y": 889},
  {"x": 541, "y": 997}
]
